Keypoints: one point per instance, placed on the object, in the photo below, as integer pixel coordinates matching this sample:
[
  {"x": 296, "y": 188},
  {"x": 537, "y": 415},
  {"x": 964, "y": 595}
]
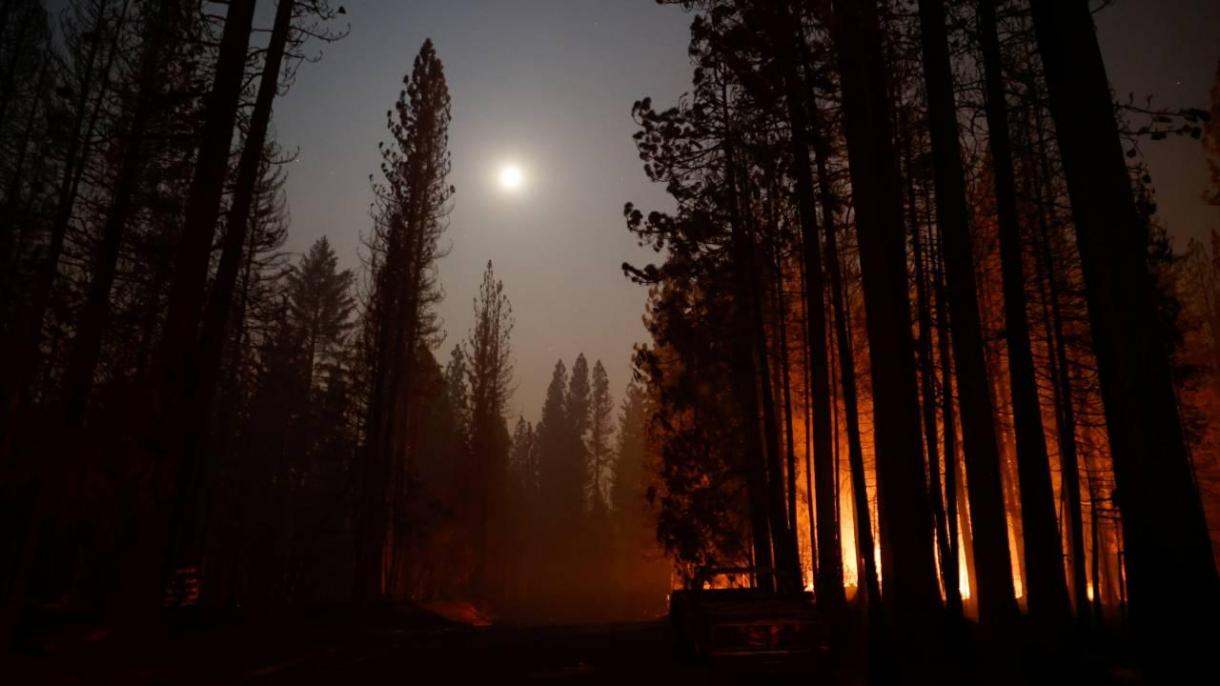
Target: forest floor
[
  {"x": 394, "y": 646},
  {"x": 313, "y": 650},
  {"x": 389, "y": 646}
]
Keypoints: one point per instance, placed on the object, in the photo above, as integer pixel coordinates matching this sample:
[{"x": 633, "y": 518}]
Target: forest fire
[{"x": 323, "y": 362}]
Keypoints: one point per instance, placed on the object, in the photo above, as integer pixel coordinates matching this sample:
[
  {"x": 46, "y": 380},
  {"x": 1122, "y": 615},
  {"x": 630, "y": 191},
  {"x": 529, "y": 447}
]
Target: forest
[{"x": 917, "y": 346}]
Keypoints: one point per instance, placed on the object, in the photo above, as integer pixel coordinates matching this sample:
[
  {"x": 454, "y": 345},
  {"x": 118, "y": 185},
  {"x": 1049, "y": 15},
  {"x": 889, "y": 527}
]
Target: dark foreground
[
  {"x": 381, "y": 650},
  {"x": 410, "y": 646}
]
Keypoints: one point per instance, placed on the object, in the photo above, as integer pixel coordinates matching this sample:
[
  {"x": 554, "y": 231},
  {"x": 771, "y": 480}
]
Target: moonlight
[{"x": 511, "y": 178}]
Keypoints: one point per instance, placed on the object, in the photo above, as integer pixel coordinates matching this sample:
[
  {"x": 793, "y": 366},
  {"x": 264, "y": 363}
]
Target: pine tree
[
  {"x": 411, "y": 205},
  {"x": 280, "y": 46},
  {"x": 524, "y": 501},
  {"x": 578, "y": 413},
  {"x": 907, "y": 561},
  {"x": 555, "y": 465},
  {"x": 320, "y": 303},
  {"x": 996, "y": 598},
  {"x": 628, "y": 483},
  {"x": 1166, "y": 544},
  {"x": 26, "y": 129},
  {"x": 177, "y": 436},
  {"x": 1047, "y": 591},
  {"x": 457, "y": 398},
  {"x": 188, "y": 289},
  {"x": 561, "y": 485},
  {"x": 600, "y": 409},
  {"x": 92, "y": 34},
  {"x": 162, "y": 23},
  {"x": 490, "y": 373},
  {"x": 523, "y": 461}
]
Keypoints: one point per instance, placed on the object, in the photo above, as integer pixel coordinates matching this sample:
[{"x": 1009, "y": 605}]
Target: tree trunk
[
  {"x": 9, "y": 244},
  {"x": 993, "y": 564},
  {"x": 745, "y": 380},
  {"x": 927, "y": 377},
  {"x": 1095, "y": 552},
  {"x": 86, "y": 346},
  {"x": 29, "y": 17},
  {"x": 785, "y": 384},
  {"x": 186, "y": 297},
  {"x": 220, "y": 301},
  {"x": 174, "y": 438},
  {"x": 1061, "y": 384},
  {"x": 10, "y": 241},
  {"x": 1045, "y": 591},
  {"x": 829, "y": 582},
  {"x": 20, "y": 348},
  {"x": 907, "y": 556},
  {"x": 787, "y": 559},
  {"x": 955, "y": 482},
  {"x": 50, "y": 471},
  {"x": 865, "y": 545}
]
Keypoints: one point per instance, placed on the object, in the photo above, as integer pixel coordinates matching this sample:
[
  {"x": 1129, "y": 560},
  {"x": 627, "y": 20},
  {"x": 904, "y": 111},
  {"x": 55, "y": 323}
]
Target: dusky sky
[{"x": 548, "y": 85}]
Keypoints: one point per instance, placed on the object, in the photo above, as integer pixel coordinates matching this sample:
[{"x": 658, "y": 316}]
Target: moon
[{"x": 511, "y": 178}]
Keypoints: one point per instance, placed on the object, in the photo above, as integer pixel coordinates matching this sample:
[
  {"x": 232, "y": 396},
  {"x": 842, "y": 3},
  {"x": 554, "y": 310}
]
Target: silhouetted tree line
[
  {"x": 920, "y": 343},
  {"x": 192, "y": 416},
  {"x": 917, "y": 331},
  {"x": 582, "y": 528}
]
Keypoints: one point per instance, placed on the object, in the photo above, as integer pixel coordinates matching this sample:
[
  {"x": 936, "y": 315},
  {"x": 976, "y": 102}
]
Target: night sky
[{"x": 548, "y": 85}]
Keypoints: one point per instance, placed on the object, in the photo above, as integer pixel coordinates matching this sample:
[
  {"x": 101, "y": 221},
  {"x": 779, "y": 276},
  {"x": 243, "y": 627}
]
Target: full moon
[{"x": 511, "y": 177}]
